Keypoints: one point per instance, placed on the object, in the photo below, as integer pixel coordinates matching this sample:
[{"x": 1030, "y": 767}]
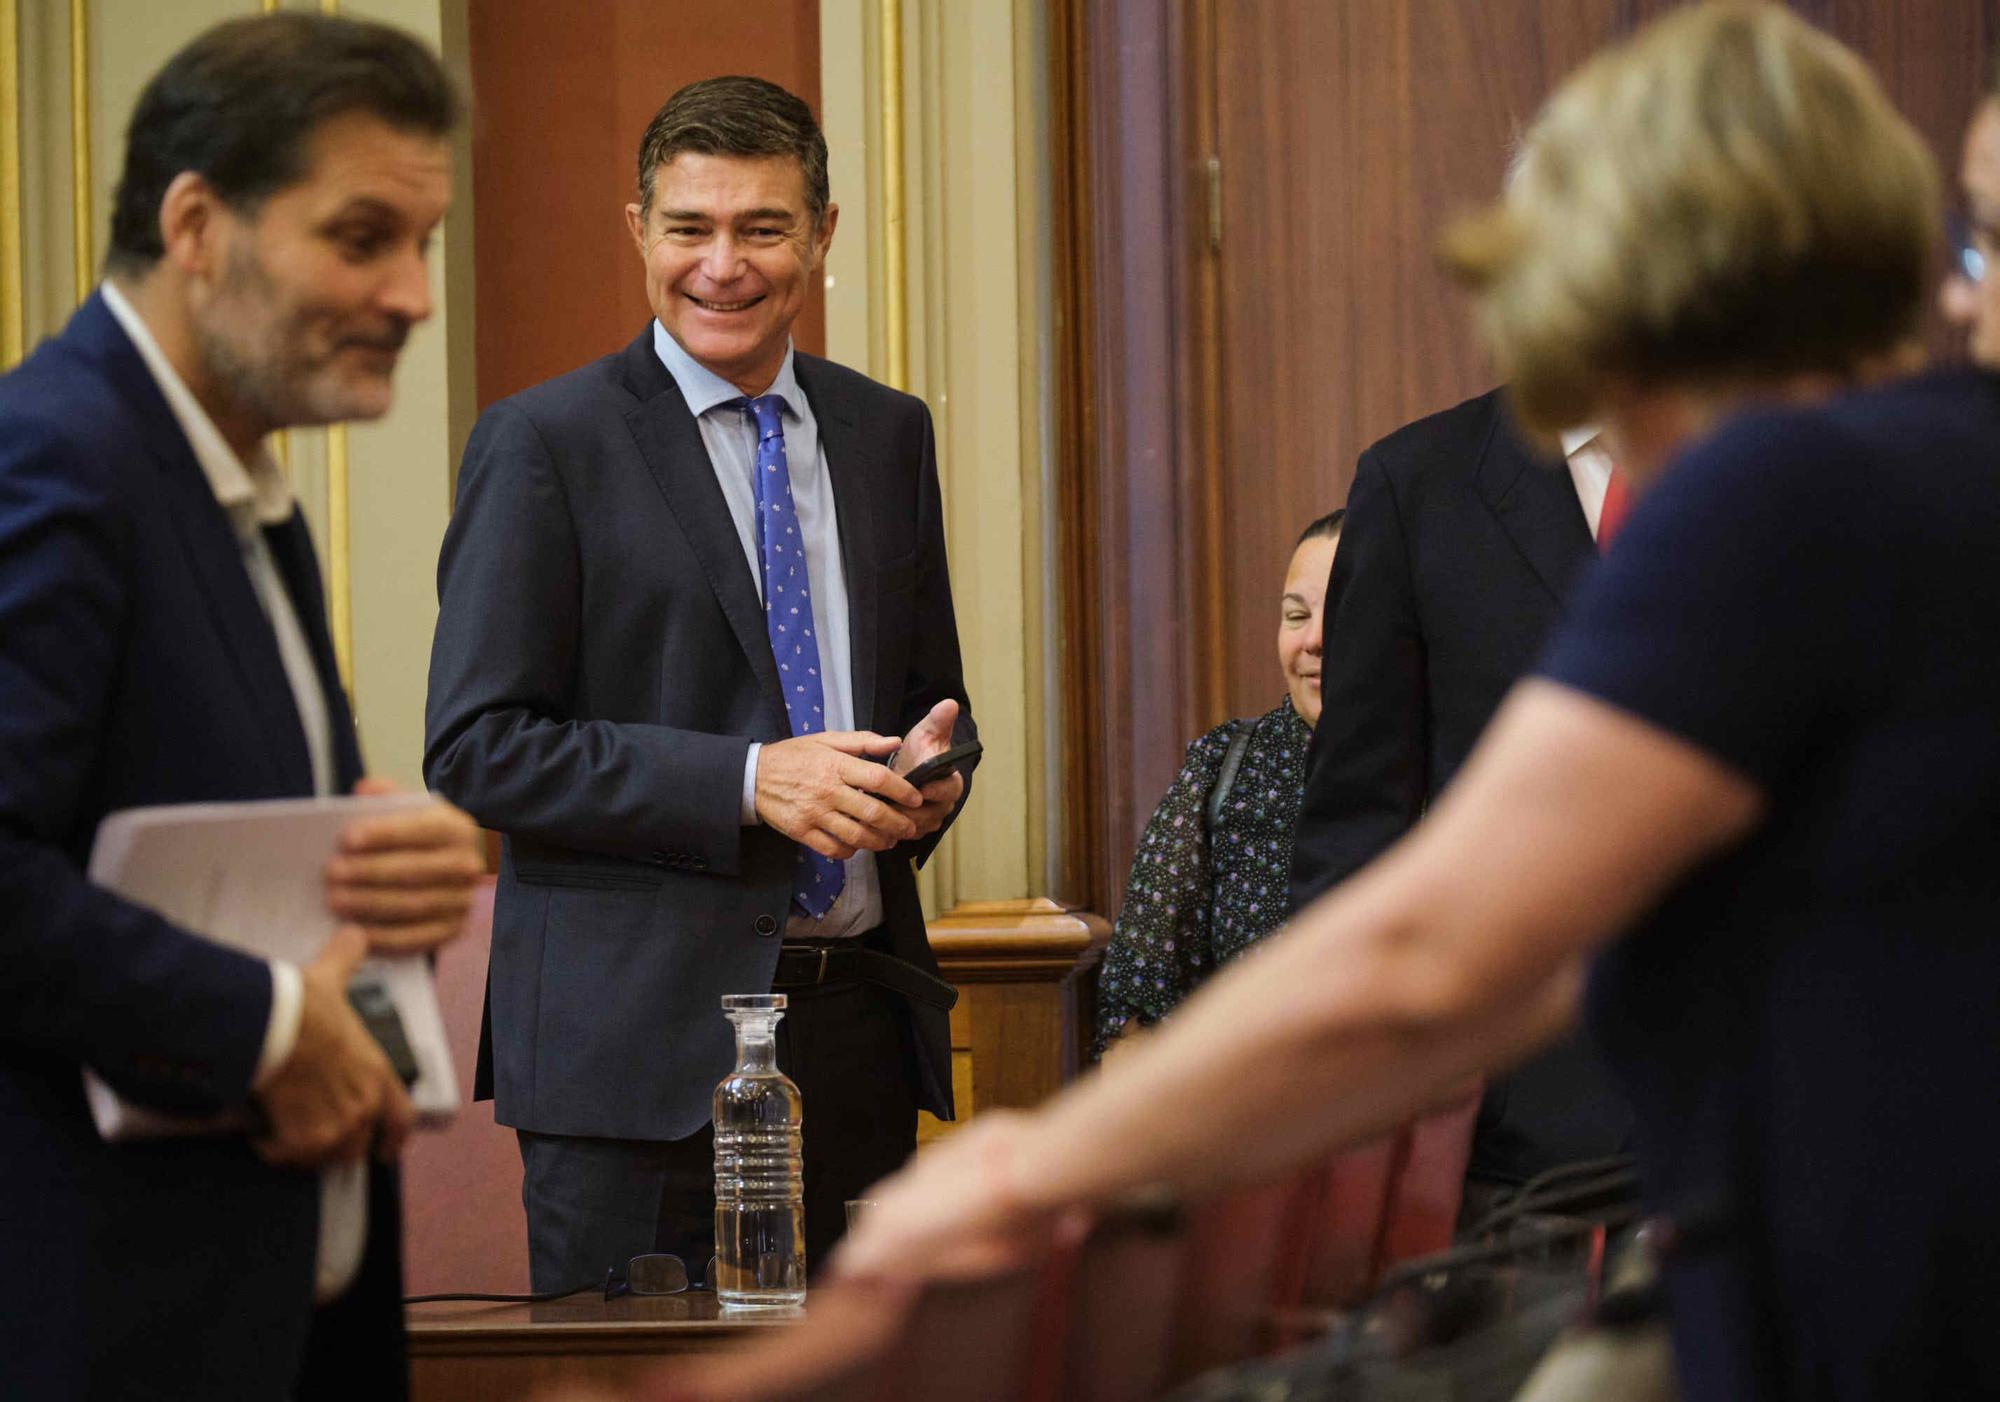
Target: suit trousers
[{"x": 593, "y": 1204}]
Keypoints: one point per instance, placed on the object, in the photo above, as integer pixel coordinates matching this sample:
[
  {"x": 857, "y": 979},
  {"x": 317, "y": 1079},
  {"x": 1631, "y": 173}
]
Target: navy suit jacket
[
  {"x": 600, "y": 669},
  {"x": 136, "y": 667},
  {"x": 1459, "y": 547}
]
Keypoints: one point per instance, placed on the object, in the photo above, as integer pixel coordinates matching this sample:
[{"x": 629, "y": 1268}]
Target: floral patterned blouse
[{"x": 1196, "y": 898}]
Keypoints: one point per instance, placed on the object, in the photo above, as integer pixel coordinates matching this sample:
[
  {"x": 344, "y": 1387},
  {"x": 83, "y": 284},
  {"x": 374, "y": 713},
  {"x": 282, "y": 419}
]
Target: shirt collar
[
  {"x": 704, "y": 390},
  {"x": 253, "y": 493},
  {"x": 1575, "y": 438}
]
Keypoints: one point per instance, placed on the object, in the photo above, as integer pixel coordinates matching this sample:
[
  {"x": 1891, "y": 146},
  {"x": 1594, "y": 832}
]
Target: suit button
[
  {"x": 699, "y": 864},
  {"x": 767, "y": 924},
  {"x": 659, "y": 859}
]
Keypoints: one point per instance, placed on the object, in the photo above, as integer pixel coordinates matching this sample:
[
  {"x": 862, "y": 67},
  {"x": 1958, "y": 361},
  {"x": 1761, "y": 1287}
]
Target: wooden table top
[{"x": 585, "y": 1321}]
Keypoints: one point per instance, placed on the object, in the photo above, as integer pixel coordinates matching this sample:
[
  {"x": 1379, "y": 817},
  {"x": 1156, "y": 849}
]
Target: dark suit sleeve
[
  {"x": 170, "y": 1018},
  {"x": 501, "y": 735},
  {"x": 935, "y": 669},
  {"x": 1367, "y": 765}
]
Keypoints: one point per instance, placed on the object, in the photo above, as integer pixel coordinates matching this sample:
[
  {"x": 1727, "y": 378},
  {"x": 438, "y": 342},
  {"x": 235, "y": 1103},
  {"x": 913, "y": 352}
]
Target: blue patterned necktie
[{"x": 788, "y": 619}]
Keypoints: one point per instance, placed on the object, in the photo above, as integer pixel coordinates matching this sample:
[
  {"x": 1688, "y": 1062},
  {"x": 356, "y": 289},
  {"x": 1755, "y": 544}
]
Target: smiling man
[
  {"x": 691, "y": 598},
  {"x": 163, "y": 640}
]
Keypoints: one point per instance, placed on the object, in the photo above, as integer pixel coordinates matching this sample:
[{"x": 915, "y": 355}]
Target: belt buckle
[{"x": 820, "y": 977}]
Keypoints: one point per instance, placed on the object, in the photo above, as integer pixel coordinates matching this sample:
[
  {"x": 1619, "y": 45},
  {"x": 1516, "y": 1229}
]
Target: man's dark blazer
[
  {"x": 1459, "y": 545},
  {"x": 600, "y": 669},
  {"x": 137, "y": 667}
]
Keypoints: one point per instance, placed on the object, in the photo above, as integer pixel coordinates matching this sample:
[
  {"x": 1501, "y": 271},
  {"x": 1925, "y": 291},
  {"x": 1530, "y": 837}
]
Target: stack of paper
[{"x": 249, "y": 875}]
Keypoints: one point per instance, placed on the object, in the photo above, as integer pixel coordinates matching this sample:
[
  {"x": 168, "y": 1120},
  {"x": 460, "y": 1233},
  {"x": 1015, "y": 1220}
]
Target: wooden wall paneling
[
  {"x": 1127, "y": 541},
  {"x": 1212, "y": 403},
  {"x": 1079, "y": 856},
  {"x": 561, "y": 95},
  {"x": 1348, "y": 136}
]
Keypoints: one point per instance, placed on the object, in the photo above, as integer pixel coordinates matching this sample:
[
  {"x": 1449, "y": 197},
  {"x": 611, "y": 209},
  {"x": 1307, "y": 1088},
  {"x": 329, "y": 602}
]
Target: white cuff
[
  {"x": 747, "y": 810},
  {"x": 281, "y": 1034}
]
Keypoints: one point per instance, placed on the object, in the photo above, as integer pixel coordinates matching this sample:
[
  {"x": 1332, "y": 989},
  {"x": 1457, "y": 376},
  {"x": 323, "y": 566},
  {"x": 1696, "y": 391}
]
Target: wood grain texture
[
  {"x": 1022, "y": 970},
  {"x": 1349, "y": 134},
  {"x": 464, "y": 1352},
  {"x": 561, "y": 96}
]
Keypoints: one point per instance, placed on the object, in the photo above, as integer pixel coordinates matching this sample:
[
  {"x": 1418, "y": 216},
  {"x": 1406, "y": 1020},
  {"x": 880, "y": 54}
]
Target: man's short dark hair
[
  {"x": 240, "y": 104},
  {"x": 735, "y": 117}
]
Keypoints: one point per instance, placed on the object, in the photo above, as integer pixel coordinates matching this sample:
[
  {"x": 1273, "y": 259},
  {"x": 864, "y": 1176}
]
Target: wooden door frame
[{"x": 1137, "y": 491}]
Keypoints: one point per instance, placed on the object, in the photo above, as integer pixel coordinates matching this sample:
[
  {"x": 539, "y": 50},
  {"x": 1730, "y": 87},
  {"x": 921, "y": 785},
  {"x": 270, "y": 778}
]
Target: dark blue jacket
[{"x": 136, "y": 667}]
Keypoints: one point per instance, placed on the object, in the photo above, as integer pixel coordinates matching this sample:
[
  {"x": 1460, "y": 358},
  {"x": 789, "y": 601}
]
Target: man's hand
[
  {"x": 824, "y": 791},
  {"x": 932, "y": 736},
  {"x": 405, "y": 878},
  {"x": 336, "y": 1090}
]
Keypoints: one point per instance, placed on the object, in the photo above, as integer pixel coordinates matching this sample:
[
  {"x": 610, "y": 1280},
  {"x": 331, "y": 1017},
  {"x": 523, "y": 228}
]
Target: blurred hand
[
  {"x": 405, "y": 878},
  {"x": 336, "y": 1091},
  {"x": 953, "y": 1211},
  {"x": 823, "y": 791}
]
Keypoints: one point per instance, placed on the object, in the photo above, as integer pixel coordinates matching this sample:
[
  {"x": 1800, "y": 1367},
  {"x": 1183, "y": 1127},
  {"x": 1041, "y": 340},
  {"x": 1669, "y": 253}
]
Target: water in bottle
[{"x": 760, "y": 1216}]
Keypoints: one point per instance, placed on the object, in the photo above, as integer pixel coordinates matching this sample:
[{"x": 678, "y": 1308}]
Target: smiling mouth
[{"x": 708, "y": 306}]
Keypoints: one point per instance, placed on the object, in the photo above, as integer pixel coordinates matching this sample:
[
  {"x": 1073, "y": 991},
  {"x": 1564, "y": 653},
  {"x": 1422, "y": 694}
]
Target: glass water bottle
[{"x": 760, "y": 1215}]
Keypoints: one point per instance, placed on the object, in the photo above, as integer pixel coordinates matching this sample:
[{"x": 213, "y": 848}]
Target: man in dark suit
[
  {"x": 162, "y": 640},
  {"x": 1460, "y": 546},
  {"x": 690, "y": 596}
]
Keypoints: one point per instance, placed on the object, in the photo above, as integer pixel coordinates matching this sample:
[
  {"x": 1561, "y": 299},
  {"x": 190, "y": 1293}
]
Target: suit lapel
[
  {"x": 670, "y": 442},
  {"x": 214, "y": 555},
  {"x": 1534, "y": 500},
  {"x": 850, "y": 463},
  {"x": 291, "y": 547}
]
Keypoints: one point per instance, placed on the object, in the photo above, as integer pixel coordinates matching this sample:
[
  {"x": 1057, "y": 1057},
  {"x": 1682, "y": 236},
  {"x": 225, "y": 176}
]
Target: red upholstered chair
[
  {"x": 1428, "y": 1183},
  {"x": 1120, "y": 1308},
  {"x": 972, "y": 1340},
  {"x": 463, "y": 1224},
  {"x": 1386, "y": 1202},
  {"x": 1347, "y": 1233},
  {"x": 1135, "y": 1305},
  {"x": 1240, "y": 1263}
]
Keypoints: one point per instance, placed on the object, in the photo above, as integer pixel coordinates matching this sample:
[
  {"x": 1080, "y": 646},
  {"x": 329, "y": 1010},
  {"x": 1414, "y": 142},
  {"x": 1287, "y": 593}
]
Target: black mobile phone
[
  {"x": 943, "y": 762},
  {"x": 378, "y": 1014}
]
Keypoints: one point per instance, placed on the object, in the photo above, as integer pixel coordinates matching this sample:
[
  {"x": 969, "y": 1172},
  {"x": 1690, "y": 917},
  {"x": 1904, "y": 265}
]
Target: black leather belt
[{"x": 808, "y": 965}]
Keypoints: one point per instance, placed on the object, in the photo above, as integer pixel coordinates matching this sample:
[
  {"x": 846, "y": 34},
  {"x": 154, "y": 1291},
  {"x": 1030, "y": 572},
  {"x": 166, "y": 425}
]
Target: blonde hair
[{"x": 1727, "y": 195}]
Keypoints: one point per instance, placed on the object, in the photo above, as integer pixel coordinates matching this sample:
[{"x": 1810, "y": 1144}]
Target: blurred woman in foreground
[{"x": 1761, "y": 756}]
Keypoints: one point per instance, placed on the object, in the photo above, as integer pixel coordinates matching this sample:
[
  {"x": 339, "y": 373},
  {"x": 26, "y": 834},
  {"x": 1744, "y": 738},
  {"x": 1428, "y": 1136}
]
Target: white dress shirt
[
  {"x": 255, "y": 495},
  {"x": 1590, "y": 469},
  {"x": 730, "y": 436}
]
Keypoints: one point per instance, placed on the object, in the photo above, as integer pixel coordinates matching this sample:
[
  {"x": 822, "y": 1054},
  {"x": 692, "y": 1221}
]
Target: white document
[{"x": 248, "y": 875}]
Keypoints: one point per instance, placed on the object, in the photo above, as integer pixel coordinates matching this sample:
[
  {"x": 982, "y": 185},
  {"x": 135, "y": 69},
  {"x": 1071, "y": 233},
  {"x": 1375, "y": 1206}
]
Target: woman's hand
[{"x": 956, "y": 1210}]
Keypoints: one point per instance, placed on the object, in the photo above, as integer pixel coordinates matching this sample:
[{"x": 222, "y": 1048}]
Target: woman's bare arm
[{"x": 1458, "y": 953}]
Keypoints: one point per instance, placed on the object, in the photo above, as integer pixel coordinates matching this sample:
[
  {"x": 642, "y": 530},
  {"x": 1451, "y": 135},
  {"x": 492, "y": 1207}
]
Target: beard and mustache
[{"x": 278, "y": 360}]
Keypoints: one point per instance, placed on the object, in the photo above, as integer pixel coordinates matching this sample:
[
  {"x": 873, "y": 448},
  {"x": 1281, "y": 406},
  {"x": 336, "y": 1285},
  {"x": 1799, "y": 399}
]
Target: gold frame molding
[
  {"x": 13, "y": 315},
  {"x": 339, "y": 563},
  {"x": 895, "y": 248},
  {"x": 83, "y": 265}
]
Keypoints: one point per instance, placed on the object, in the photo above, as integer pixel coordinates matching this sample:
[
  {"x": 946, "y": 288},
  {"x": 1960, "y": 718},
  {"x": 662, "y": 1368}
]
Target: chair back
[
  {"x": 1121, "y": 1300},
  {"x": 1233, "y": 1275},
  {"x": 1428, "y": 1183},
  {"x": 463, "y": 1224}
]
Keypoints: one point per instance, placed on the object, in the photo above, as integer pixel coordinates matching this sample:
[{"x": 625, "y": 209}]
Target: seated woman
[
  {"x": 1757, "y": 777},
  {"x": 1215, "y": 860}
]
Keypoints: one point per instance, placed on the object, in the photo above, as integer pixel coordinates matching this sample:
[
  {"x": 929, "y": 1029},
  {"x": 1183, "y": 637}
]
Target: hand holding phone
[{"x": 942, "y": 763}]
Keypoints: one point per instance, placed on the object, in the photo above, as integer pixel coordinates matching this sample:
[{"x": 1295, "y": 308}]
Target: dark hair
[
  {"x": 241, "y": 102},
  {"x": 1325, "y": 527},
  {"x": 735, "y": 117}
]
